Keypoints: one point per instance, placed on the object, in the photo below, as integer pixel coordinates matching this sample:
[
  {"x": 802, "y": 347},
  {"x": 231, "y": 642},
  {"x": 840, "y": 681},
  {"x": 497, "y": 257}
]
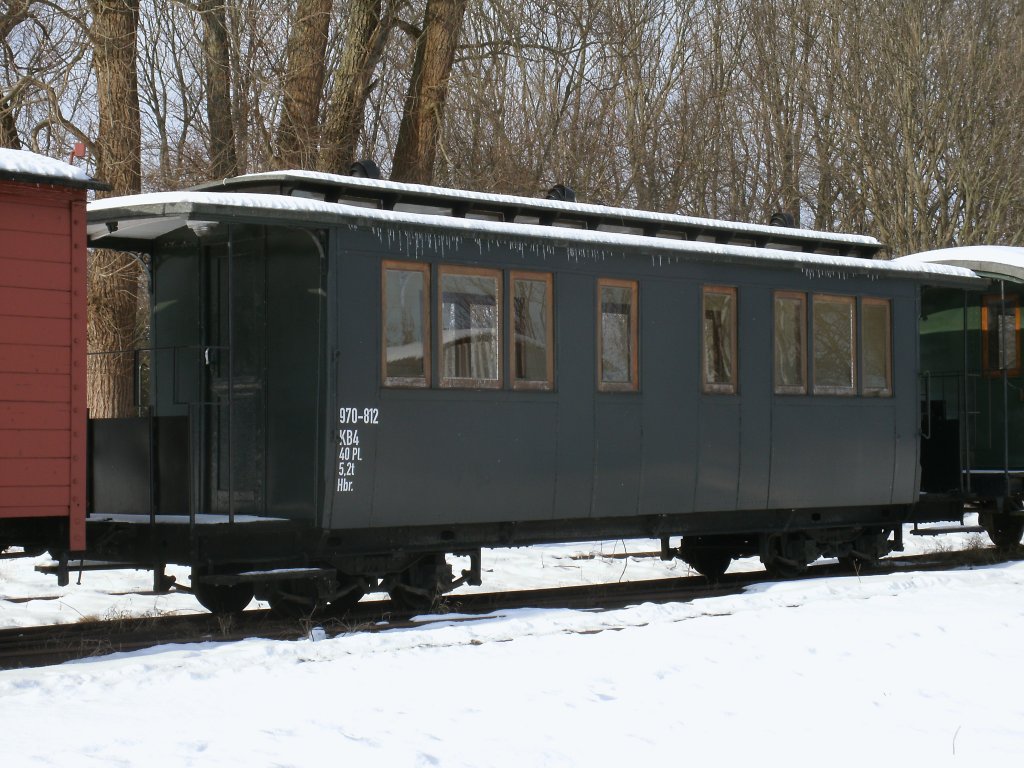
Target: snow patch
[
  {"x": 625, "y": 214},
  {"x": 181, "y": 203},
  {"x": 31, "y": 164}
]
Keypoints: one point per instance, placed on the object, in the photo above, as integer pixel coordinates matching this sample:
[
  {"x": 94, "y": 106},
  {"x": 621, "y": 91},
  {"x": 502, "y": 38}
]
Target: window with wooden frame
[
  {"x": 470, "y": 326},
  {"x": 531, "y": 339},
  {"x": 834, "y": 341},
  {"x": 405, "y": 303},
  {"x": 617, "y": 335},
  {"x": 876, "y": 347},
  {"x": 790, "y": 343},
  {"x": 718, "y": 318},
  {"x": 1000, "y": 329}
]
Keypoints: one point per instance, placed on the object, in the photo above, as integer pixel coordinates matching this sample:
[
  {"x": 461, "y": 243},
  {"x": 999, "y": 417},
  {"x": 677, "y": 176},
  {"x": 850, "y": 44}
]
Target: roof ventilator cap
[
  {"x": 562, "y": 193},
  {"x": 364, "y": 169},
  {"x": 781, "y": 219}
]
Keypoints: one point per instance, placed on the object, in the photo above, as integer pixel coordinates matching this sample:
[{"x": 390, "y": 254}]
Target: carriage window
[
  {"x": 719, "y": 335},
  {"x": 876, "y": 348},
  {"x": 531, "y": 335},
  {"x": 405, "y": 301},
  {"x": 470, "y": 323},
  {"x": 617, "y": 336},
  {"x": 1000, "y": 328},
  {"x": 834, "y": 333},
  {"x": 790, "y": 343}
]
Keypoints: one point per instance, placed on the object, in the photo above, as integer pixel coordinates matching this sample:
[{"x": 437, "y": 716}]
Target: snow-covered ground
[
  {"x": 910, "y": 669},
  {"x": 28, "y": 598}
]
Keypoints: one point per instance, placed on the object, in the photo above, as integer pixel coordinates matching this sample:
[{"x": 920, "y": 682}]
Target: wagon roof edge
[
  {"x": 279, "y": 209},
  {"x": 449, "y": 194},
  {"x": 29, "y": 167}
]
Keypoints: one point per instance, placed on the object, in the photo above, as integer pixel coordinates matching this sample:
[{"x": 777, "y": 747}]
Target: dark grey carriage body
[
  {"x": 267, "y": 334},
  {"x": 452, "y": 456}
]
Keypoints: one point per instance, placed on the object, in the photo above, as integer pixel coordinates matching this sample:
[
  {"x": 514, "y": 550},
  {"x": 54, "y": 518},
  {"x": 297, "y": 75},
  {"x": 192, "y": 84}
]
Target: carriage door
[{"x": 235, "y": 359}]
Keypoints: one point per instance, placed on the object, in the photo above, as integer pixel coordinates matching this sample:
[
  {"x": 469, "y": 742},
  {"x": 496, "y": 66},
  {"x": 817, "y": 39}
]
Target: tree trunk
[
  {"x": 114, "y": 277},
  {"x": 297, "y": 135},
  {"x": 218, "y": 89},
  {"x": 8, "y": 126},
  {"x": 16, "y": 12},
  {"x": 420, "y": 131},
  {"x": 364, "y": 43}
]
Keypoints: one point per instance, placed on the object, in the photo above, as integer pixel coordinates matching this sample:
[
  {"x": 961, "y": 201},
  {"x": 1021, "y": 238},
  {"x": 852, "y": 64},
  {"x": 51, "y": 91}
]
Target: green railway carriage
[{"x": 973, "y": 387}]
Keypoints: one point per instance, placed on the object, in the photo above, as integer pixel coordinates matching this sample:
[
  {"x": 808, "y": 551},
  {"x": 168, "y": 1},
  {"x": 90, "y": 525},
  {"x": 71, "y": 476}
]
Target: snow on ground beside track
[
  {"x": 28, "y": 598},
  {"x": 900, "y": 670}
]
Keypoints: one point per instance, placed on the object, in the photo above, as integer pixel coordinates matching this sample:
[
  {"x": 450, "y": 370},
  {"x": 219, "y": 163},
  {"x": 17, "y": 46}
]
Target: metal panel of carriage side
[
  {"x": 670, "y": 377},
  {"x": 432, "y": 456},
  {"x": 906, "y": 483},
  {"x": 829, "y": 450},
  {"x": 451, "y": 457},
  {"x": 755, "y": 387},
  {"x": 575, "y": 367}
]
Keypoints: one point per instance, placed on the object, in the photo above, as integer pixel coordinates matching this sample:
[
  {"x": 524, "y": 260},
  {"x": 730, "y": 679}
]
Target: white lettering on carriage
[{"x": 350, "y": 452}]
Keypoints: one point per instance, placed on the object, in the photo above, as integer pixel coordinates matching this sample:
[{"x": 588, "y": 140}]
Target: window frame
[
  {"x": 887, "y": 390},
  {"x": 405, "y": 381},
  {"x": 714, "y": 387},
  {"x": 460, "y": 382},
  {"x": 989, "y": 366},
  {"x": 790, "y": 389},
  {"x": 549, "y": 330},
  {"x": 830, "y": 389},
  {"x": 633, "y": 385}
]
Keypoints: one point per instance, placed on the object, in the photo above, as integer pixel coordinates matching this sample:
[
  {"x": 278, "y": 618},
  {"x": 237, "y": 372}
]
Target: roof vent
[
  {"x": 562, "y": 193},
  {"x": 364, "y": 169},
  {"x": 781, "y": 219}
]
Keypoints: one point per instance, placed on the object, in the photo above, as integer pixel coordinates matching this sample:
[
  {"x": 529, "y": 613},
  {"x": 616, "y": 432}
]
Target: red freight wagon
[{"x": 42, "y": 350}]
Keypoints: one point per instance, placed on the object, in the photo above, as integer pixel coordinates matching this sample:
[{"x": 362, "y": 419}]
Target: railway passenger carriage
[
  {"x": 974, "y": 387},
  {"x": 368, "y": 376}
]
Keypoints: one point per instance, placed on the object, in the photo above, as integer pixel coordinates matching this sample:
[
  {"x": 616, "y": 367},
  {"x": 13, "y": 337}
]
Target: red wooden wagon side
[{"x": 42, "y": 347}]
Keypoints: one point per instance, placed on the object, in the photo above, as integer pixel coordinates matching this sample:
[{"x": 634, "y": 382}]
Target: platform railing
[{"x": 189, "y": 396}]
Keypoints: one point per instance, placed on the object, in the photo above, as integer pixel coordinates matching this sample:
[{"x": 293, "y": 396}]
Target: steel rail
[{"x": 44, "y": 645}]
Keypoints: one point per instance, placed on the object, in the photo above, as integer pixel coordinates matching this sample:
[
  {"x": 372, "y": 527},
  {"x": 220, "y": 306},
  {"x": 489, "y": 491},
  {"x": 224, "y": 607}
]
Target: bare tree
[
  {"x": 14, "y": 14},
  {"x": 298, "y": 134},
  {"x": 423, "y": 115},
  {"x": 367, "y": 33},
  {"x": 780, "y": 37},
  {"x": 217, "y": 60},
  {"x": 44, "y": 82},
  {"x": 257, "y": 30},
  {"x": 171, "y": 94},
  {"x": 926, "y": 120},
  {"x": 897, "y": 120},
  {"x": 113, "y": 276}
]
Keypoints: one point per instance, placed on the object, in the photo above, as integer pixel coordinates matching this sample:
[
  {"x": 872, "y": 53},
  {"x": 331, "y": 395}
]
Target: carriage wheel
[
  {"x": 295, "y": 598},
  {"x": 785, "y": 556},
  {"x": 222, "y": 599},
  {"x": 710, "y": 562},
  {"x": 419, "y": 586},
  {"x": 1005, "y": 530},
  {"x": 349, "y": 593}
]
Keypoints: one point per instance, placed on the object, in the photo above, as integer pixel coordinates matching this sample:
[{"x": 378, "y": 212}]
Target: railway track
[{"x": 45, "y": 645}]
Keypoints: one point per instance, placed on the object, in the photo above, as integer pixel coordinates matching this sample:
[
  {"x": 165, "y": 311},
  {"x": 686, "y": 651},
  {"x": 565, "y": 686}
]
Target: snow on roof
[
  {"x": 1000, "y": 260},
  {"x": 195, "y": 205},
  {"x": 18, "y": 162},
  {"x": 533, "y": 202}
]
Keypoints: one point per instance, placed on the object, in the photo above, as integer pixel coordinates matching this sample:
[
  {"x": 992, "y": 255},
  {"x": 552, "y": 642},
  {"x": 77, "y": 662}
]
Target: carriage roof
[{"x": 134, "y": 222}]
